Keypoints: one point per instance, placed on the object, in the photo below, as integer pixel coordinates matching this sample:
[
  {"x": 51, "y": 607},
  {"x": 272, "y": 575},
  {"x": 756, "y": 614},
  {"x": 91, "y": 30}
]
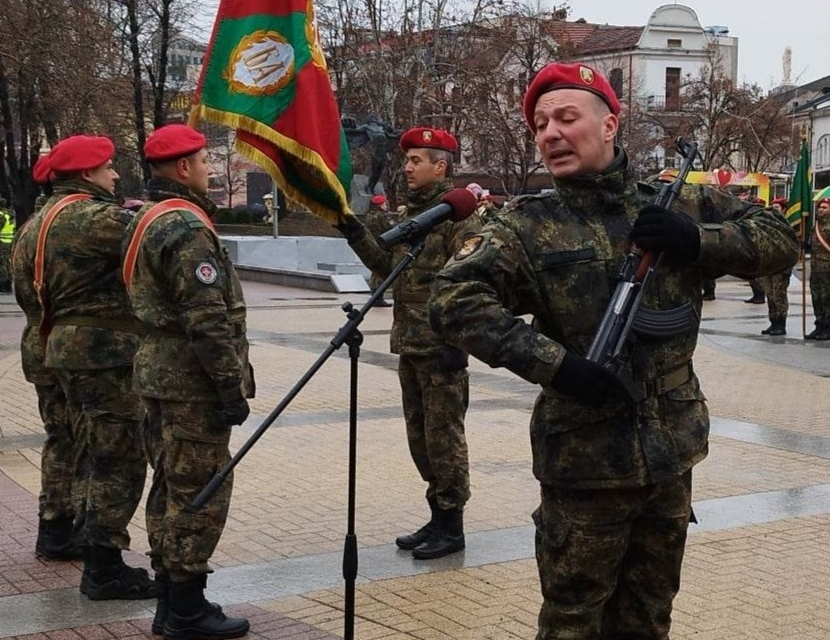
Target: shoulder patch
[
  {"x": 206, "y": 273},
  {"x": 469, "y": 247}
]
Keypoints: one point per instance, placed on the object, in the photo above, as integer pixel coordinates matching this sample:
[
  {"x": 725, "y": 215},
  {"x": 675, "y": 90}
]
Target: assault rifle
[{"x": 625, "y": 311}]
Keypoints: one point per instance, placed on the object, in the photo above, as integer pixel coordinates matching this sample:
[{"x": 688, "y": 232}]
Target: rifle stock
[{"x": 632, "y": 282}]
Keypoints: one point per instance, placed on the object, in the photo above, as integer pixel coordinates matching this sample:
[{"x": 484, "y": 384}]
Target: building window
[
  {"x": 672, "y": 88},
  {"x": 674, "y": 43},
  {"x": 822, "y": 154},
  {"x": 616, "y": 79}
]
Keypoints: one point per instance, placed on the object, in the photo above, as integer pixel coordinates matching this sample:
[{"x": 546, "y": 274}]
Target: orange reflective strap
[
  {"x": 151, "y": 215},
  {"x": 48, "y": 219}
]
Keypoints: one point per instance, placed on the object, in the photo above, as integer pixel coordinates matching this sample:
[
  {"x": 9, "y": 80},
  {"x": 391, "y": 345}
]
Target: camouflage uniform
[
  {"x": 616, "y": 479},
  {"x": 820, "y": 274},
  {"x": 775, "y": 287},
  {"x": 433, "y": 375},
  {"x": 91, "y": 346},
  {"x": 194, "y": 353},
  {"x": 63, "y": 484},
  {"x": 377, "y": 221}
]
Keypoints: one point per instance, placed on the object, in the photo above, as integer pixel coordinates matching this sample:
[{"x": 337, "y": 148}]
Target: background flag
[
  {"x": 800, "y": 205},
  {"x": 265, "y": 75}
]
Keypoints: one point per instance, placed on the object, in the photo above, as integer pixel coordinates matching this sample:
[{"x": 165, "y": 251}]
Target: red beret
[
  {"x": 79, "y": 153},
  {"x": 780, "y": 201},
  {"x": 381, "y": 199},
  {"x": 427, "y": 138},
  {"x": 42, "y": 172},
  {"x": 173, "y": 141},
  {"x": 557, "y": 75}
]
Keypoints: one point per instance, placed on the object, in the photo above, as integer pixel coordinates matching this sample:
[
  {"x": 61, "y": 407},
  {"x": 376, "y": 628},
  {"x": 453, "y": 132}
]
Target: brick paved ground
[{"x": 762, "y": 581}]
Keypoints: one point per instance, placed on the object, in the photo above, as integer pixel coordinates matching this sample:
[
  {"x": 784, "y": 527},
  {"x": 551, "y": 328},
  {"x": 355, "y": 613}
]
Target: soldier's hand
[
  {"x": 350, "y": 227},
  {"x": 588, "y": 382},
  {"x": 672, "y": 233},
  {"x": 235, "y": 412}
]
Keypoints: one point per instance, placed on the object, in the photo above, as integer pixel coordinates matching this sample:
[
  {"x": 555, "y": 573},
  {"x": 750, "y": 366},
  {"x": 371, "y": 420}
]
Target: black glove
[
  {"x": 588, "y": 381},
  {"x": 234, "y": 412},
  {"x": 672, "y": 233},
  {"x": 351, "y": 228}
]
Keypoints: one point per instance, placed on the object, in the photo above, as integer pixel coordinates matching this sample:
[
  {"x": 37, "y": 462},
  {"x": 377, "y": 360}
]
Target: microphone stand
[{"x": 350, "y": 335}]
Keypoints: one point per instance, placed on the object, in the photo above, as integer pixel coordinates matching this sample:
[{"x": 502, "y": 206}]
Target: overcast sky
[{"x": 763, "y": 28}]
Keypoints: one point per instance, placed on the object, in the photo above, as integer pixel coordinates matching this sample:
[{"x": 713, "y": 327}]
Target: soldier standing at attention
[
  {"x": 775, "y": 287},
  {"x": 378, "y": 220},
  {"x": 433, "y": 374},
  {"x": 820, "y": 272},
  {"x": 92, "y": 339},
  {"x": 57, "y": 537},
  {"x": 615, "y": 476},
  {"x": 192, "y": 371}
]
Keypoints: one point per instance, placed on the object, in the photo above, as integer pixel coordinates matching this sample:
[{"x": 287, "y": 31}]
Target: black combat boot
[
  {"x": 189, "y": 615},
  {"x": 162, "y": 602},
  {"x": 823, "y": 333},
  {"x": 58, "y": 540},
  {"x": 777, "y": 327},
  {"x": 757, "y": 298},
  {"x": 109, "y": 578},
  {"x": 447, "y": 537},
  {"x": 812, "y": 335},
  {"x": 409, "y": 542}
]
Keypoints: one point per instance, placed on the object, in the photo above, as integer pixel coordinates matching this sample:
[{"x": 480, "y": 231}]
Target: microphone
[{"x": 456, "y": 205}]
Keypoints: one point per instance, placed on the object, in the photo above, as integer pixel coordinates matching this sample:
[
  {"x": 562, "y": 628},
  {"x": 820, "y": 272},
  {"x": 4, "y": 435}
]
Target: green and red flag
[
  {"x": 265, "y": 75},
  {"x": 800, "y": 205}
]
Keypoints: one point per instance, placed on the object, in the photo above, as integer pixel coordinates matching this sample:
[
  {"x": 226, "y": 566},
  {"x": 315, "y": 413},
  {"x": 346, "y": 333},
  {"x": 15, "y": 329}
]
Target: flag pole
[
  {"x": 803, "y": 279},
  {"x": 275, "y": 208}
]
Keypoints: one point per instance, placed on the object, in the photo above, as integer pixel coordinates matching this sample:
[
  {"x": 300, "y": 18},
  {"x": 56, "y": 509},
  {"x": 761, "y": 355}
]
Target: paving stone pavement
[{"x": 755, "y": 567}]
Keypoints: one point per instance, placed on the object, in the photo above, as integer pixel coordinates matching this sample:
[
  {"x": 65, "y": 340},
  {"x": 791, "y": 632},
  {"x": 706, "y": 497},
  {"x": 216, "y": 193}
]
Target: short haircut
[{"x": 436, "y": 155}]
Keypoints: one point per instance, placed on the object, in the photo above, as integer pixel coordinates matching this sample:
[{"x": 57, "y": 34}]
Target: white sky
[{"x": 763, "y": 29}]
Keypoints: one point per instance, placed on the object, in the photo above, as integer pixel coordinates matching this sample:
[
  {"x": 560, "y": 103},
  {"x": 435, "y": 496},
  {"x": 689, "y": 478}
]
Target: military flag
[
  {"x": 799, "y": 206},
  {"x": 265, "y": 75}
]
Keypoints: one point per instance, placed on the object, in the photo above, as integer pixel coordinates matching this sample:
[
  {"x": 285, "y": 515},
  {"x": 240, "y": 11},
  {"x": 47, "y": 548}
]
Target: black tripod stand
[{"x": 351, "y": 336}]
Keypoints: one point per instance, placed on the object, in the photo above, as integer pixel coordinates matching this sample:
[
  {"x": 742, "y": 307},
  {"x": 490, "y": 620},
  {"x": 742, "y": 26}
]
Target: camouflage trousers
[
  {"x": 609, "y": 560},
  {"x": 109, "y": 445},
  {"x": 775, "y": 287},
  {"x": 434, "y": 405},
  {"x": 62, "y": 474},
  {"x": 186, "y": 447},
  {"x": 820, "y": 291}
]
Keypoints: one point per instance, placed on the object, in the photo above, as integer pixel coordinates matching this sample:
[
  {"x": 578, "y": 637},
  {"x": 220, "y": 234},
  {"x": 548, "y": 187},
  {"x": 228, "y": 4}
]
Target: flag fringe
[{"x": 288, "y": 145}]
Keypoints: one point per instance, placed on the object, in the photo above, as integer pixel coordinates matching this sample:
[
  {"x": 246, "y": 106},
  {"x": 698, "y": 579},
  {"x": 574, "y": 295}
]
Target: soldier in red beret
[
  {"x": 68, "y": 263},
  {"x": 820, "y": 271},
  {"x": 191, "y": 370},
  {"x": 774, "y": 289},
  {"x": 432, "y": 374},
  {"x": 377, "y": 220},
  {"x": 615, "y": 467}
]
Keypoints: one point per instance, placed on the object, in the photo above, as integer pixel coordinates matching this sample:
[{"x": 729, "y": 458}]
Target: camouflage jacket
[
  {"x": 555, "y": 258},
  {"x": 187, "y": 295},
  {"x": 819, "y": 254},
  {"x": 377, "y": 220},
  {"x": 85, "y": 297},
  {"x": 411, "y": 333},
  {"x": 23, "y": 272}
]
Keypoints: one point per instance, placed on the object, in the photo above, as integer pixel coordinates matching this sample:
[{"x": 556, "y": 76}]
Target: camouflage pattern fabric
[
  {"x": 411, "y": 333},
  {"x": 57, "y": 458},
  {"x": 187, "y": 295},
  {"x": 775, "y": 288},
  {"x": 600, "y": 561},
  {"x": 820, "y": 273},
  {"x": 377, "y": 221},
  {"x": 435, "y": 402},
  {"x": 62, "y": 465},
  {"x": 555, "y": 257},
  {"x": 186, "y": 447},
  {"x": 114, "y": 452},
  {"x": 87, "y": 301}
]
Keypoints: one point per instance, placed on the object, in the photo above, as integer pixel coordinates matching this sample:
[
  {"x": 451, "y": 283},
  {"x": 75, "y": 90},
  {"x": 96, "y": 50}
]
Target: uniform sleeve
[
  {"x": 477, "y": 297},
  {"x": 460, "y": 231},
  {"x": 197, "y": 289},
  {"x": 376, "y": 259},
  {"x": 750, "y": 242}
]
